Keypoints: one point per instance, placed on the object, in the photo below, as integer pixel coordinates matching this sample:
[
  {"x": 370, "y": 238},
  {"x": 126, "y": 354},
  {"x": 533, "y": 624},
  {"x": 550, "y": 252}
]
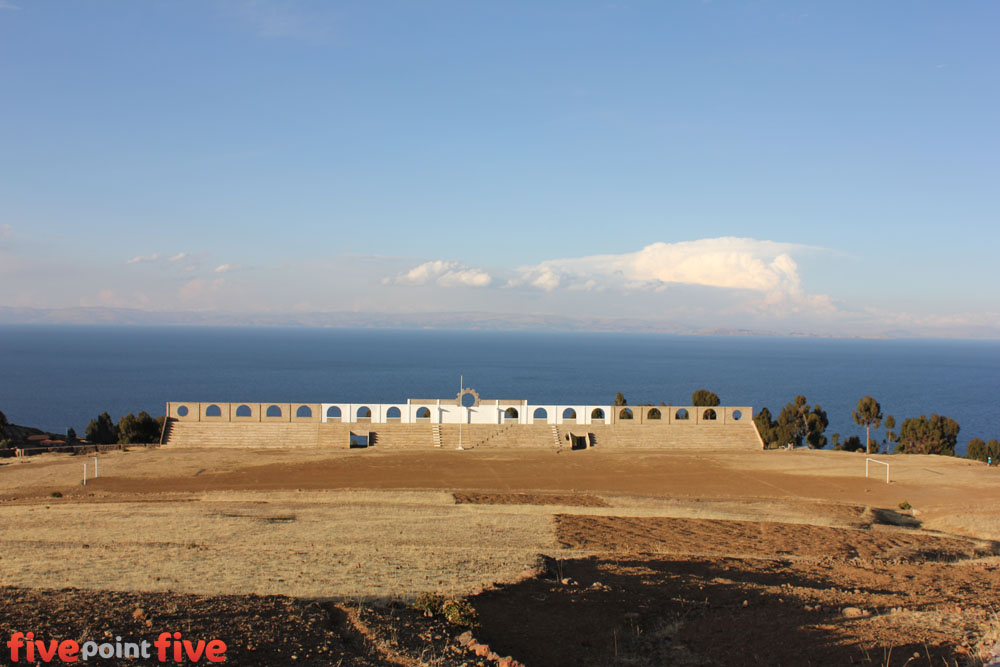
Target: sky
[{"x": 826, "y": 167}]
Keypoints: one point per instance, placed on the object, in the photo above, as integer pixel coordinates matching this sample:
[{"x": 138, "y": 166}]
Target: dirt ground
[{"x": 572, "y": 558}]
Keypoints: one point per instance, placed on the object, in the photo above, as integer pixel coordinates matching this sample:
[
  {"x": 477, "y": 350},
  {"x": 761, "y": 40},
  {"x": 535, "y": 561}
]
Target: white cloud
[
  {"x": 228, "y": 268},
  {"x": 727, "y": 262},
  {"x": 139, "y": 259},
  {"x": 444, "y": 273},
  {"x": 178, "y": 257},
  {"x": 5, "y": 4}
]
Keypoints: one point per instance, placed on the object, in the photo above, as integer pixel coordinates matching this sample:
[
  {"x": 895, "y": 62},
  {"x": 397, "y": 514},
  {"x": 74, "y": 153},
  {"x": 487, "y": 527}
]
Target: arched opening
[
  {"x": 182, "y": 411},
  {"x": 304, "y": 411},
  {"x": 597, "y": 414},
  {"x": 654, "y": 414},
  {"x": 333, "y": 412},
  {"x": 213, "y": 411},
  {"x": 364, "y": 412},
  {"x": 393, "y": 414},
  {"x": 708, "y": 415},
  {"x": 244, "y": 411},
  {"x": 626, "y": 413},
  {"x": 540, "y": 413},
  {"x": 510, "y": 414},
  {"x": 681, "y": 414},
  {"x": 273, "y": 411},
  {"x": 569, "y": 414},
  {"x": 468, "y": 400},
  {"x": 423, "y": 413},
  {"x": 737, "y": 415}
]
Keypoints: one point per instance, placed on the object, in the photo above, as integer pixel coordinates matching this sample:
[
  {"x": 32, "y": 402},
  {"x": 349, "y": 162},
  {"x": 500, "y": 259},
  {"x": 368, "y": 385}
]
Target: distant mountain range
[
  {"x": 442, "y": 320},
  {"x": 445, "y": 320}
]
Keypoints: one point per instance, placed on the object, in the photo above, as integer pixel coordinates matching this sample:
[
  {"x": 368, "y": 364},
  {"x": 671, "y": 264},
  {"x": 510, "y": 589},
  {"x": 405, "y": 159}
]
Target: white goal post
[{"x": 867, "y": 460}]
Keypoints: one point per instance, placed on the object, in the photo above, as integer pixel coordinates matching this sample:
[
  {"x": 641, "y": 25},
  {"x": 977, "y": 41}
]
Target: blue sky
[{"x": 828, "y": 167}]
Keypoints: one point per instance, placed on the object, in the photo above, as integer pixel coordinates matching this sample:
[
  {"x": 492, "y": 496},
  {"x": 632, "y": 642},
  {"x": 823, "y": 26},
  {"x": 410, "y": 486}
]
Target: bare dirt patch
[
  {"x": 633, "y": 609},
  {"x": 574, "y": 500},
  {"x": 757, "y": 538}
]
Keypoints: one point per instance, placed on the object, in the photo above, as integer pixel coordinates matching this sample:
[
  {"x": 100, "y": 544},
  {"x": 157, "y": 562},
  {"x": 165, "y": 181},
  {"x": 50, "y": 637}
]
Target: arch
[
  {"x": 182, "y": 411},
  {"x": 392, "y": 413},
  {"x": 681, "y": 415},
  {"x": 626, "y": 413},
  {"x": 737, "y": 415},
  {"x": 654, "y": 414},
  {"x": 510, "y": 413},
  {"x": 213, "y": 411},
  {"x": 244, "y": 411},
  {"x": 333, "y": 412},
  {"x": 304, "y": 411},
  {"x": 708, "y": 415},
  {"x": 569, "y": 413},
  {"x": 273, "y": 411},
  {"x": 597, "y": 414},
  {"x": 423, "y": 413},
  {"x": 364, "y": 412},
  {"x": 540, "y": 413}
]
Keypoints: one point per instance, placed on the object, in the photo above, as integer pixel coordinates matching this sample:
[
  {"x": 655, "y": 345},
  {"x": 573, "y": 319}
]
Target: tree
[
  {"x": 852, "y": 444},
  {"x": 620, "y": 399},
  {"x": 3, "y": 426},
  {"x": 71, "y": 434},
  {"x": 102, "y": 431},
  {"x": 138, "y": 429},
  {"x": 983, "y": 451},
  {"x": 976, "y": 450},
  {"x": 868, "y": 414},
  {"x": 937, "y": 435},
  {"x": 799, "y": 422},
  {"x": 703, "y": 398},
  {"x": 890, "y": 435},
  {"x": 766, "y": 428}
]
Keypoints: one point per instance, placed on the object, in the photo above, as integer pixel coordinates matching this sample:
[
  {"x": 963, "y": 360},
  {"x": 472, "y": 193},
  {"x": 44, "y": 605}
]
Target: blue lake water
[{"x": 54, "y": 377}]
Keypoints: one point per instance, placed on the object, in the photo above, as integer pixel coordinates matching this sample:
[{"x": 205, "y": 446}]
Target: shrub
[
  {"x": 905, "y": 505},
  {"x": 455, "y": 611}
]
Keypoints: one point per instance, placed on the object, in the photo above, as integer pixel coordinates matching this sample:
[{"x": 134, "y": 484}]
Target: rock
[
  {"x": 505, "y": 661},
  {"x": 746, "y": 603},
  {"x": 853, "y": 612},
  {"x": 482, "y": 650},
  {"x": 493, "y": 657},
  {"x": 465, "y": 638},
  {"x": 138, "y": 613},
  {"x": 565, "y": 582}
]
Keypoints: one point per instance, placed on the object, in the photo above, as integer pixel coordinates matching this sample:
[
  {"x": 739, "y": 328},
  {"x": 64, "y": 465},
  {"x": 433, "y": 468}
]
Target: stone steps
[{"x": 479, "y": 436}]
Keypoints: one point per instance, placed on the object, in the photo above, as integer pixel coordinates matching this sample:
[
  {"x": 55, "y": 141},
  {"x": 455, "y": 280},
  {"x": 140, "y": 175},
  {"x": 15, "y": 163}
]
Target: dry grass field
[{"x": 592, "y": 557}]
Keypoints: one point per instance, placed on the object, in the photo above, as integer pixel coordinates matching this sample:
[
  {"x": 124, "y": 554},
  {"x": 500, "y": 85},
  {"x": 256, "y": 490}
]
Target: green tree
[
  {"x": 767, "y": 428},
  {"x": 799, "y": 422},
  {"x": 703, "y": 398},
  {"x": 620, "y": 399},
  {"x": 71, "y": 434},
  {"x": 138, "y": 429},
  {"x": 976, "y": 450},
  {"x": 102, "y": 431},
  {"x": 852, "y": 444},
  {"x": 3, "y": 426},
  {"x": 868, "y": 414},
  {"x": 937, "y": 435},
  {"x": 983, "y": 451},
  {"x": 890, "y": 435}
]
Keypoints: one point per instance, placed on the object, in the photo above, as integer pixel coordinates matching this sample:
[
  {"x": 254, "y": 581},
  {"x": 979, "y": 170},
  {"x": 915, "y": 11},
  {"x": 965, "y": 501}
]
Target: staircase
[
  {"x": 436, "y": 435},
  {"x": 556, "y": 440}
]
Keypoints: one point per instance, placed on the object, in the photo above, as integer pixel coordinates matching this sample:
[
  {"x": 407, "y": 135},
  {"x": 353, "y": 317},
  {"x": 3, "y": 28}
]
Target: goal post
[{"x": 883, "y": 463}]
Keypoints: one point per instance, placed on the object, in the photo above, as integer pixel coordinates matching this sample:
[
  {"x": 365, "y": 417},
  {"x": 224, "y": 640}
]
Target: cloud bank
[
  {"x": 443, "y": 273},
  {"x": 728, "y": 262}
]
